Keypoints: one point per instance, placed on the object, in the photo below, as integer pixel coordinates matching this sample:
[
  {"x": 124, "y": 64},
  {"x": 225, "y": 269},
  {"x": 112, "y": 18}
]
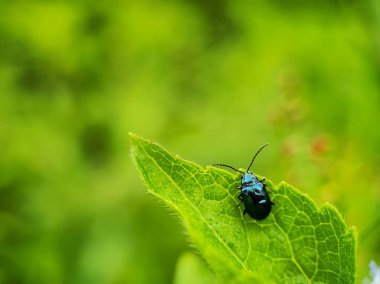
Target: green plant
[{"x": 297, "y": 243}]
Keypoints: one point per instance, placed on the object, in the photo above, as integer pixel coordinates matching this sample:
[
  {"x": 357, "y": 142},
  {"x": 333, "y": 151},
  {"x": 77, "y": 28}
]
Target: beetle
[{"x": 254, "y": 194}]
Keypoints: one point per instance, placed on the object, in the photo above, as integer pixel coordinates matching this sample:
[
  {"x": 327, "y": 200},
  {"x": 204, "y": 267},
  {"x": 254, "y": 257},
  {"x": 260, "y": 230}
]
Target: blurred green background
[{"x": 211, "y": 80}]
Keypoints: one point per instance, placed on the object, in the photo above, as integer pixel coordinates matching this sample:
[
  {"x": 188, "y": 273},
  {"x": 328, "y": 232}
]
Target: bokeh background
[{"x": 210, "y": 80}]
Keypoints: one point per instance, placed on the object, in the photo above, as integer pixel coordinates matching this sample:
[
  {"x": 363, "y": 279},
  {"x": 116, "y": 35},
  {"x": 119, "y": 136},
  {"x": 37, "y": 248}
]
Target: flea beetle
[{"x": 253, "y": 193}]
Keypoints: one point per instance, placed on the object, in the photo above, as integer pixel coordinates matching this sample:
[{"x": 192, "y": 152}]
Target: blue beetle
[{"x": 254, "y": 195}]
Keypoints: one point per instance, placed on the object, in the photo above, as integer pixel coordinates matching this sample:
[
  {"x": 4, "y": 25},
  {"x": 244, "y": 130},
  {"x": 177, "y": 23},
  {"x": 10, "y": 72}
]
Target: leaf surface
[{"x": 296, "y": 243}]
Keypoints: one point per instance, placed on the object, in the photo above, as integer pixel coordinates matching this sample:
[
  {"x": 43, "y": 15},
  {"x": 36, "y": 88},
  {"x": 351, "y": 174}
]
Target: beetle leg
[
  {"x": 262, "y": 180},
  {"x": 266, "y": 188},
  {"x": 240, "y": 197}
]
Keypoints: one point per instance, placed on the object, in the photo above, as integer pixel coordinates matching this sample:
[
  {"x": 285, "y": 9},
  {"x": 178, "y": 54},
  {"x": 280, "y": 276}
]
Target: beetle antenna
[
  {"x": 254, "y": 157},
  {"x": 227, "y": 166}
]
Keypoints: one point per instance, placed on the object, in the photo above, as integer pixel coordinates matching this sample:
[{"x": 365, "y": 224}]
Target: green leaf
[
  {"x": 190, "y": 269},
  {"x": 296, "y": 243}
]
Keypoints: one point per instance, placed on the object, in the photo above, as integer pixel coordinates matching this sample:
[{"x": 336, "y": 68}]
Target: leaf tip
[
  {"x": 330, "y": 208},
  {"x": 133, "y": 136},
  {"x": 137, "y": 140},
  {"x": 134, "y": 140}
]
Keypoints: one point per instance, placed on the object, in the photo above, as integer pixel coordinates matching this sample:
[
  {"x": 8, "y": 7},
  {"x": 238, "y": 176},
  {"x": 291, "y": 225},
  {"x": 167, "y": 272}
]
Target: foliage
[
  {"x": 191, "y": 269},
  {"x": 297, "y": 243},
  {"x": 211, "y": 80}
]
